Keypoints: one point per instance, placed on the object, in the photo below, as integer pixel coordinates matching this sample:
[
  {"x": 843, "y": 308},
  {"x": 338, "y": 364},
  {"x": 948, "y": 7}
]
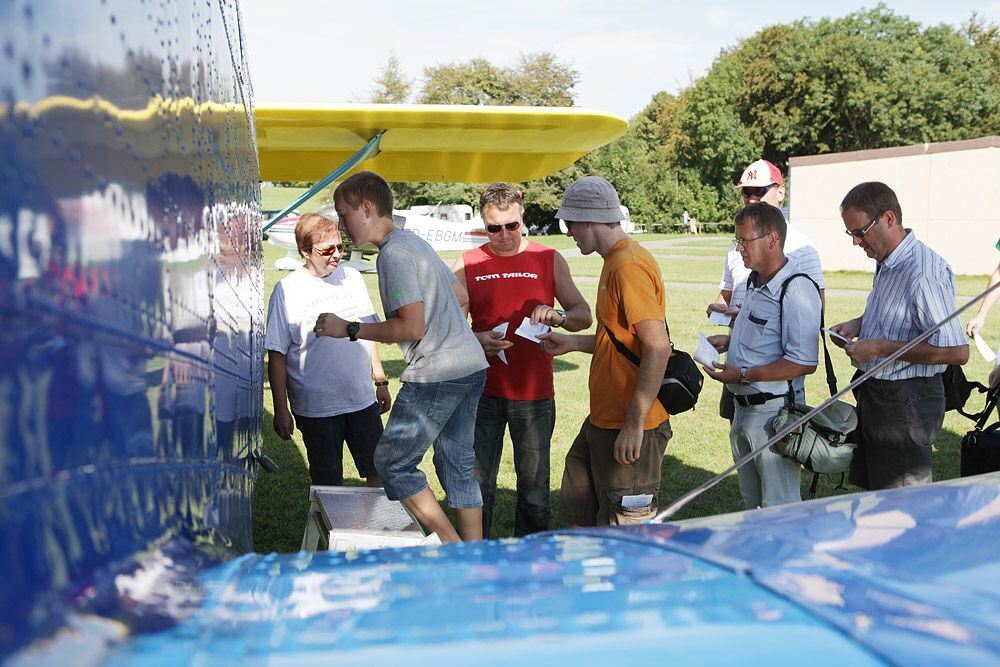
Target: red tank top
[{"x": 507, "y": 289}]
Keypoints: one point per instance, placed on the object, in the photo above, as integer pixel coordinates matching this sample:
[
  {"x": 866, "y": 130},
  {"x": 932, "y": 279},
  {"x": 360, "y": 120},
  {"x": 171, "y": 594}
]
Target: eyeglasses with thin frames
[
  {"x": 327, "y": 251},
  {"x": 860, "y": 233},
  {"x": 745, "y": 242},
  {"x": 510, "y": 226}
]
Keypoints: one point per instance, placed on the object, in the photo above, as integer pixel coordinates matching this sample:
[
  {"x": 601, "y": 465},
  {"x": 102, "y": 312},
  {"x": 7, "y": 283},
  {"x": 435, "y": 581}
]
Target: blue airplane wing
[{"x": 894, "y": 577}]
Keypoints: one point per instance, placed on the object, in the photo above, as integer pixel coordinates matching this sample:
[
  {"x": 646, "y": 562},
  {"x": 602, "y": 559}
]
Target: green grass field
[{"x": 700, "y": 446}]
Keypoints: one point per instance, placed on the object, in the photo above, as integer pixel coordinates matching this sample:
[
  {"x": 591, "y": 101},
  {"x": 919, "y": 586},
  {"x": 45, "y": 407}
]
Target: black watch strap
[{"x": 352, "y": 330}]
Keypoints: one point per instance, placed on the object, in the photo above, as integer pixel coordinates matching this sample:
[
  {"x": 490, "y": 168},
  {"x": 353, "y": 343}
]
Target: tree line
[{"x": 871, "y": 79}]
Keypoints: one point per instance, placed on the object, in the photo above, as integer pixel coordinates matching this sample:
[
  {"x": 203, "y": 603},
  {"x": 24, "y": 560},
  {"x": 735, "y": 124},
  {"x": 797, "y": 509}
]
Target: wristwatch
[
  {"x": 352, "y": 330},
  {"x": 562, "y": 314},
  {"x": 744, "y": 377}
]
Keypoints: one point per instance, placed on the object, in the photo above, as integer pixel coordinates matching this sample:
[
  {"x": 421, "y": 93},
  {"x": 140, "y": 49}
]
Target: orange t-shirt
[{"x": 630, "y": 291}]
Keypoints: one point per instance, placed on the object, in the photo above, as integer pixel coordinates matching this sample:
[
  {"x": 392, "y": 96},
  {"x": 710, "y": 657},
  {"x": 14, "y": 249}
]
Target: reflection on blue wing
[{"x": 902, "y": 577}]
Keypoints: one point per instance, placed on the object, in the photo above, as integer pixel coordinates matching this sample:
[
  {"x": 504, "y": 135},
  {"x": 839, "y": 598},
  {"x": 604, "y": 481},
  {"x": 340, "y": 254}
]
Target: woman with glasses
[{"x": 326, "y": 380}]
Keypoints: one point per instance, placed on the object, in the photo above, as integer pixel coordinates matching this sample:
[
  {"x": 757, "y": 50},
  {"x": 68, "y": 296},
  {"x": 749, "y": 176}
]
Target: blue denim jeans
[
  {"x": 531, "y": 424},
  {"x": 440, "y": 412}
]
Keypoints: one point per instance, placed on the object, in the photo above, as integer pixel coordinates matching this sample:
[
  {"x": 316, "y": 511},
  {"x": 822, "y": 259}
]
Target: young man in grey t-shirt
[{"x": 445, "y": 364}]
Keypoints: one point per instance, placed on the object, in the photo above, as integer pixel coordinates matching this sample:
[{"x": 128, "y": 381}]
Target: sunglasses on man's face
[
  {"x": 757, "y": 192},
  {"x": 328, "y": 250},
  {"x": 860, "y": 233},
  {"x": 510, "y": 226}
]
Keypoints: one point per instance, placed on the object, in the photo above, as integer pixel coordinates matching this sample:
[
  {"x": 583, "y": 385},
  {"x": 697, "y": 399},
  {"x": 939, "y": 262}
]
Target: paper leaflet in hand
[
  {"x": 722, "y": 319},
  {"x": 531, "y": 331},
  {"x": 983, "y": 348},
  {"x": 833, "y": 334},
  {"x": 705, "y": 354},
  {"x": 502, "y": 330}
]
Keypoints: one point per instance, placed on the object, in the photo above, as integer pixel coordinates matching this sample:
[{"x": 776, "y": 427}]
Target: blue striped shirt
[{"x": 913, "y": 290}]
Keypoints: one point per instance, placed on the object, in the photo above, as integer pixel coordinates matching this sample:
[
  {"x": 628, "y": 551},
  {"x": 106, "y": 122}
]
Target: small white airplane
[{"x": 443, "y": 226}]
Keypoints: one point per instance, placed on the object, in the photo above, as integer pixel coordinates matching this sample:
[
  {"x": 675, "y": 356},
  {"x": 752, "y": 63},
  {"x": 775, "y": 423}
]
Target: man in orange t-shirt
[{"x": 612, "y": 473}]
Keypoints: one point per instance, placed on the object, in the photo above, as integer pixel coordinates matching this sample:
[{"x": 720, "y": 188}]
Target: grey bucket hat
[{"x": 591, "y": 199}]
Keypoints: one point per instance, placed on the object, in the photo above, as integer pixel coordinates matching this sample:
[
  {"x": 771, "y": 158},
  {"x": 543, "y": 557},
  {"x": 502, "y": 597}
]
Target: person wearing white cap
[
  {"x": 612, "y": 473},
  {"x": 761, "y": 181}
]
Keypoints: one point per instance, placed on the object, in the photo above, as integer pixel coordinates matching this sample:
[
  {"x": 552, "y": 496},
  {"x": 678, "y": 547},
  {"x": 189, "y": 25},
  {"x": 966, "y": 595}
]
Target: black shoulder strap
[
  {"x": 622, "y": 350},
  {"x": 992, "y": 400},
  {"x": 627, "y": 353},
  {"x": 831, "y": 377}
]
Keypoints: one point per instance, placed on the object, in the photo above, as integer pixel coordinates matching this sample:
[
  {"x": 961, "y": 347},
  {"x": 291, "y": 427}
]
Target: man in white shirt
[{"x": 761, "y": 181}]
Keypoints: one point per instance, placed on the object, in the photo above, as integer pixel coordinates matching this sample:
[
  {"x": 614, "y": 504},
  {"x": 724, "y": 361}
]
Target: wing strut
[{"x": 369, "y": 150}]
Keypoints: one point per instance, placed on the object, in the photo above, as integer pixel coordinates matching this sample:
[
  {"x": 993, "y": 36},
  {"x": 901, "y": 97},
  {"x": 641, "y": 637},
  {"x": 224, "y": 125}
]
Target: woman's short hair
[{"x": 310, "y": 227}]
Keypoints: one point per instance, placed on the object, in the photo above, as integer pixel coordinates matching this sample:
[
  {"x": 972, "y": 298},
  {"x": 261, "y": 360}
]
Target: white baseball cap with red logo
[{"x": 759, "y": 174}]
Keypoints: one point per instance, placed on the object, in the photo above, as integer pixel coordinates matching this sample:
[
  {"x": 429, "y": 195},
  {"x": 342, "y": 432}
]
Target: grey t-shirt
[{"x": 410, "y": 271}]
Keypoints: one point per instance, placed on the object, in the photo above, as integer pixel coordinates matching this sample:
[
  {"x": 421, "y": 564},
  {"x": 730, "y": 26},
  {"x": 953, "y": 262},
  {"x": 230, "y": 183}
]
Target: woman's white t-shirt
[{"x": 325, "y": 376}]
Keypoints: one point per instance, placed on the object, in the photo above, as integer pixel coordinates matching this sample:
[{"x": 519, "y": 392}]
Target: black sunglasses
[
  {"x": 510, "y": 226},
  {"x": 757, "y": 192}
]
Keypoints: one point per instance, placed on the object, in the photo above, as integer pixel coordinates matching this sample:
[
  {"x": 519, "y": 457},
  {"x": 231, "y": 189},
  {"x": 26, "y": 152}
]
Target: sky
[{"x": 327, "y": 52}]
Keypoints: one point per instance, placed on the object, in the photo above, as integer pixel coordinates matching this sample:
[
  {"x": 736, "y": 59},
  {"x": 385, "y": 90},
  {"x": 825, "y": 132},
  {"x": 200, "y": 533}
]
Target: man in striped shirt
[{"x": 901, "y": 408}]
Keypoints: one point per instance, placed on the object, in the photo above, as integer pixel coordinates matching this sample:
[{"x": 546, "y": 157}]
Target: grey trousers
[
  {"x": 770, "y": 479},
  {"x": 898, "y": 421}
]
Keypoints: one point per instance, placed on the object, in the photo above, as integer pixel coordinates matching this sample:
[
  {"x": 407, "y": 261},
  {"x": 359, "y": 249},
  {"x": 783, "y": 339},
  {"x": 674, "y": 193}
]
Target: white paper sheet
[
  {"x": 984, "y": 349},
  {"x": 502, "y": 330},
  {"x": 637, "y": 501},
  {"x": 834, "y": 334},
  {"x": 722, "y": 319},
  {"x": 705, "y": 354},
  {"x": 531, "y": 331}
]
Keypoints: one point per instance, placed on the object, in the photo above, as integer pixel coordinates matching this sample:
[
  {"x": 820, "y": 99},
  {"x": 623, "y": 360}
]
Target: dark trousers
[
  {"x": 531, "y": 424},
  {"x": 324, "y": 440},
  {"x": 898, "y": 421}
]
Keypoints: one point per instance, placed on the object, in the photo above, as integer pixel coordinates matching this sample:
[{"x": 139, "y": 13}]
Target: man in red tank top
[{"x": 510, "y": 279}]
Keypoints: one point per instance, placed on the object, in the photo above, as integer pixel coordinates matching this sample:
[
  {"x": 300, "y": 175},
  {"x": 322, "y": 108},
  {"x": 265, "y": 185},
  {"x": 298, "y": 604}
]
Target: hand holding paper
[
  {"x": 705, "y": 354},
  {"x": 836, "y": 336},
  {"x": 983, "y": 348},
  {"x": 722, "y": 319},
  {"x": 502, "y": 330},
  {"x": 531, "y": 331}
]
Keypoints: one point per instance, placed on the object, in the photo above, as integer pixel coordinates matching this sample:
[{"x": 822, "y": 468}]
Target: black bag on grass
[{"x": 981, "y": 445}]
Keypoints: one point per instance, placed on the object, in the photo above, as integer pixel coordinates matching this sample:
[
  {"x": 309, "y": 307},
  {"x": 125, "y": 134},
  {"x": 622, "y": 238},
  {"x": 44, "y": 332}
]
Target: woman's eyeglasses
[
  {"x": 510, "y": 226},
  {"x": 328, "y": 250}
]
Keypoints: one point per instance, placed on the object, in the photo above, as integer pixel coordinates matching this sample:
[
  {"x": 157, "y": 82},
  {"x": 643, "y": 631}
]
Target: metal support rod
[
  {"x": 369, "y": 150},
  {"x": 683, "y": 501}
]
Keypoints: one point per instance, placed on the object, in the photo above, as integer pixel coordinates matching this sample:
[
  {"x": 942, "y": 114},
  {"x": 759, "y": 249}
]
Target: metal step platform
[{"x": 354, "y": 518}]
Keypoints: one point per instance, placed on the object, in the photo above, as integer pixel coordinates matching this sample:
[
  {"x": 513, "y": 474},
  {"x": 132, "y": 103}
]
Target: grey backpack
[{"x": 821, "y": 444}]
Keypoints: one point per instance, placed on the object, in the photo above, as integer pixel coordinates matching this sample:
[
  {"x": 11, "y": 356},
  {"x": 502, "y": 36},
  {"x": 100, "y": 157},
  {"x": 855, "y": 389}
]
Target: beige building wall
[{"x": 949, "y": 193}]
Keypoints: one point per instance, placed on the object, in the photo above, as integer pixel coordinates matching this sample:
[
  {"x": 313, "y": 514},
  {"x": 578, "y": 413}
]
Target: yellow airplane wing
[{"x": 468, "y": 144}]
